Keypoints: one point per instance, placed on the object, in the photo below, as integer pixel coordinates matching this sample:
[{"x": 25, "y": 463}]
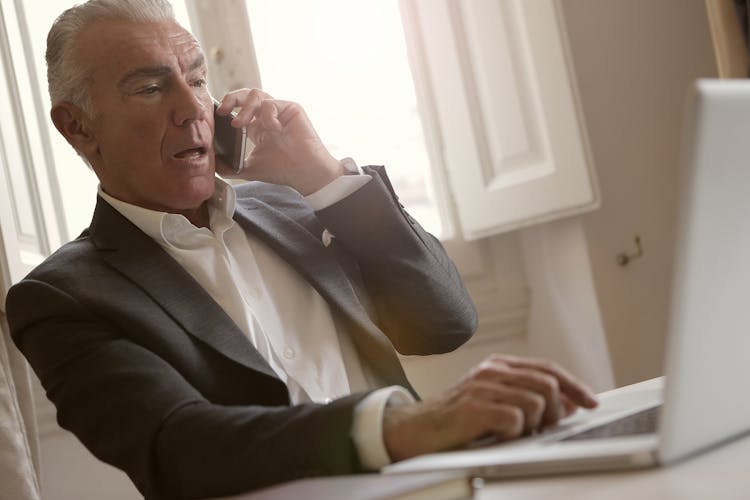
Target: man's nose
[{"x": 189, "y": 106}]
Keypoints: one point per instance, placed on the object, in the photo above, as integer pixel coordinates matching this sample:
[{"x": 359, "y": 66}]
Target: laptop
[{"x": 702, "y": 401}]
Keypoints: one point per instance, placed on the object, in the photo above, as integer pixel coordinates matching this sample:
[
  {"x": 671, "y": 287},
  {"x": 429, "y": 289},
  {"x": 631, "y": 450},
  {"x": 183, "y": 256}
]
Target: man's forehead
[{"x": 123, "y": 45}]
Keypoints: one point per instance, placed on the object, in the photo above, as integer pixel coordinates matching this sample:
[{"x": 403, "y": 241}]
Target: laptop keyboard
[{"x": 643, "y": 422}]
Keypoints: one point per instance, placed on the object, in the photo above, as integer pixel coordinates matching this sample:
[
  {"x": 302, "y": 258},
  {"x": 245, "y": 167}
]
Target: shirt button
[
  {"x": 250, "y": 292},
  {"x": 289, "y": 353}
]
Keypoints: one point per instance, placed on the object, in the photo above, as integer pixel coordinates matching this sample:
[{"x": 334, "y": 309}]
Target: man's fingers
[
  {"x": 558, "y": 388},
  {"x": 505, "y": 421},
  {"x": 268, "y": 116},
  {"x": 574, "y": 389},
  {"x": 249, "y": 108},
  {"x": 569, "y": 406},
  {"x": 544, "y": 386},
  {"x": 485, "y": 396},
  {"x": 248, "y": 100}
]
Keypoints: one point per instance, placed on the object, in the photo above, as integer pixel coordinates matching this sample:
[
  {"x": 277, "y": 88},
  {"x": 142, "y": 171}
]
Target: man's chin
[{"x": 194, "y": 191}]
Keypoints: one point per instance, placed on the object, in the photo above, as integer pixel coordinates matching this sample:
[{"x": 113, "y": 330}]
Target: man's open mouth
[{"x": 191, "y": 153}]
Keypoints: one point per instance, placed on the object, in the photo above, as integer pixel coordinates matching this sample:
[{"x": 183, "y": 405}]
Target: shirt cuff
[
  {"x": 367, "y": 428},
  {"x": 339, "y": 188}
]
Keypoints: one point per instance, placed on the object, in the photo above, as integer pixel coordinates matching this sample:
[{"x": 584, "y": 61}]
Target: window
[{"x": 345, "y": 61}]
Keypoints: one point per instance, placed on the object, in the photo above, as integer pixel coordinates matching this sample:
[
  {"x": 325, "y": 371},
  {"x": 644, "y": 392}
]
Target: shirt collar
[{"x": 170, "y": 229}]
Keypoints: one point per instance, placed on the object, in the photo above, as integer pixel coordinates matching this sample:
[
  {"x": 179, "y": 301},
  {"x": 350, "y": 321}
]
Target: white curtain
[{"x": 19, "y": 445}]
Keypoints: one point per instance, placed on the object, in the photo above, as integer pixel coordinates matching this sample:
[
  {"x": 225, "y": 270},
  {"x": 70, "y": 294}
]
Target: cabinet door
[{"x": 499, "y": 80}]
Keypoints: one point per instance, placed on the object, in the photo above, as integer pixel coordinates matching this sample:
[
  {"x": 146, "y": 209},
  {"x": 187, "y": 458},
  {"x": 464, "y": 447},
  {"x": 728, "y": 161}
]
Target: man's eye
[
  {"x": 200, "y": 82},
  {"x": 150, "y": 90}
]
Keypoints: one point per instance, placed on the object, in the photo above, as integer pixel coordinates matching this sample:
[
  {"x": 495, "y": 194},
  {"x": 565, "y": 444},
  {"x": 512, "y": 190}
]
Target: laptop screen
[{"x": 708, "y": 349}]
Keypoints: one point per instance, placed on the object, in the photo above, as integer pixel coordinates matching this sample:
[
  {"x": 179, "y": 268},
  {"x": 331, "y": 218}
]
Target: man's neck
[{"x": 198, "y": 216}]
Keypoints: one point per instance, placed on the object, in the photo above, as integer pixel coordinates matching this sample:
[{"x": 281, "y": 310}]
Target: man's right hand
[
  {"x": 287, "y": 149},
  {"x": 503, "y": 397}
]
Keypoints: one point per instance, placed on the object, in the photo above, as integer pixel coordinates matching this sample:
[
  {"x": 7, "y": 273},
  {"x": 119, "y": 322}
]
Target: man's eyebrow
[
  {"x": 146, "y": 72},
  {"x": 156, "y": 71},
  {"x": 199, "y": 62}
]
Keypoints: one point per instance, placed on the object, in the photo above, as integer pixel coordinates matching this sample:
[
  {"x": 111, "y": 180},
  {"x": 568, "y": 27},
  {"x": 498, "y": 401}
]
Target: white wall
[
  {"x": 634, "y": 60},
  {"x": 564, "y": 321}
]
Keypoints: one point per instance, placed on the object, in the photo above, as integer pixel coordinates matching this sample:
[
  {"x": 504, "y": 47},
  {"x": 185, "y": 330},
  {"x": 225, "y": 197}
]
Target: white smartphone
[{"x": 230, "y": 143}]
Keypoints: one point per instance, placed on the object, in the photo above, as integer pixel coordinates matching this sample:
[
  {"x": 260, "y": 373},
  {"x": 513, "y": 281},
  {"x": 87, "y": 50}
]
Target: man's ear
[{"x": 74, "y": 125}]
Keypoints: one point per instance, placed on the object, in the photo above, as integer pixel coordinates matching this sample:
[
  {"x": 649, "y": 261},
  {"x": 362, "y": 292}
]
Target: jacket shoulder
[{"x": 71, "y": 258}]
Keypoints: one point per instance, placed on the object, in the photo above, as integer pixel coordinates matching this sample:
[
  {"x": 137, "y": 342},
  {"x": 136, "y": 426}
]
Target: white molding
[
  {"x": 11, "y": 224},
  {"x": 223, "y": 29},
  {"x": 31, "y": 208},
  {"x": 446, "y": 203},
  {"x": 503, "y": 311},
  {"x": 34, "y": 108}
]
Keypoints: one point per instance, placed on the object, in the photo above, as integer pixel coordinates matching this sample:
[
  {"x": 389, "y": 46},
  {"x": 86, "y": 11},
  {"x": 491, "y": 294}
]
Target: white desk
[
  {"x": 719, "y": 474},
  {"x": 722, "y": 473}
]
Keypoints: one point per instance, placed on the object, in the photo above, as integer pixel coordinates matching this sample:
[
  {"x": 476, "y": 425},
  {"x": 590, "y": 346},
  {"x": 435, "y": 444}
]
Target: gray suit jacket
[{"x": 154, "y": 378}]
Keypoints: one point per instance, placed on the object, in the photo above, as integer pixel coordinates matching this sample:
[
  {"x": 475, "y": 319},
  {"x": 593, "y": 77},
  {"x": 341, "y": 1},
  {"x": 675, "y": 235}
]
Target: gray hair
[{"x": 66, "y": 76}]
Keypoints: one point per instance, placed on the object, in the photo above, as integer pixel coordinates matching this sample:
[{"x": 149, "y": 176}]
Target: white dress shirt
[{"x": 284, "y": 317}]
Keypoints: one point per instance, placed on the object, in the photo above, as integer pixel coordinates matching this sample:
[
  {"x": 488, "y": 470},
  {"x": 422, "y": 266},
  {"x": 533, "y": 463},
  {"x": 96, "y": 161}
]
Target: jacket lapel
[
  {"x": 305, "y": 252},
  {"x": 128, "y": 250}
]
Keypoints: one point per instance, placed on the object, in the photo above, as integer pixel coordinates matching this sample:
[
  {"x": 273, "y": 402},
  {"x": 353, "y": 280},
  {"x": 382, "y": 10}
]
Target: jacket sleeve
[
  {"x": 133, "y": 410},
  {"x": 419, "y": 297}
]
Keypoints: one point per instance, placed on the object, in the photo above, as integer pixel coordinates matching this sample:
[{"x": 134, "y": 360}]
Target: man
[{"x": 209, "y": 340}]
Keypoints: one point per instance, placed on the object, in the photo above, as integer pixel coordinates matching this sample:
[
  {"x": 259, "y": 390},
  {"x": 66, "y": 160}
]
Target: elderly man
[{"x": 210, "y": 339}]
